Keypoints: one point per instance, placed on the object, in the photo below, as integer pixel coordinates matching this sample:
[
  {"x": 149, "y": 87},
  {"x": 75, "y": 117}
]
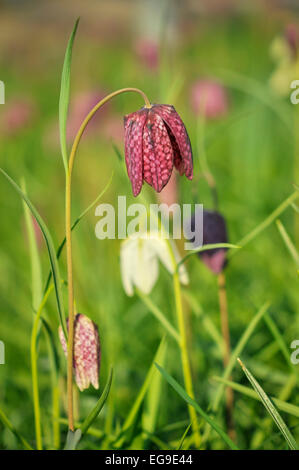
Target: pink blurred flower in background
[
  {"x": 113, "y": 129},
  {"x": 80, "y": 107},
  {"x": 292, "y": 37},
  {"x": 17, "y": 115},
  {"x": 210, "y": 98},
  {"x": 147, "y": 51}
]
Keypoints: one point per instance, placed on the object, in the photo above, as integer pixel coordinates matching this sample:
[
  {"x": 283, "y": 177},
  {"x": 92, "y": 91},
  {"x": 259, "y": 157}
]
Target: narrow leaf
[
  {"x": 238, "y": 350},
  {"x": 270, "y": 408},
  {"x": 50, "y": 247},
  {"x": 65, "y": 95},
  {"x": 5, "y": 421},
  {"x": 268, "y": 221},
  {"x": 99, "y": 405},
  {"x": 288, "y": 242},
  {"x": 211, "y": 246},
  {"x": 281, "y": 405},
  {"x": 36, "y": 272},
  {"x": 179, "y": 389},
  {"x": 159, "y": 315}
]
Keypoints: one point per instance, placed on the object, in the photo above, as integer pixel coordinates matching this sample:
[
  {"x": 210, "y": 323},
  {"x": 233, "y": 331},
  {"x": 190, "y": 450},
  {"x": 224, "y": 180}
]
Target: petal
[
  {"x": 177, "y": 159},
  {"x": 134, "y": 124},
  {"x": 86, "y": 352},
  {"x": 161, "y": 249},
  {"x": 139, "y": 266},
  {"x": 126, "y": 267},
  {"x": 157, "y": 152},
  {"x": 179, "y": 133}
]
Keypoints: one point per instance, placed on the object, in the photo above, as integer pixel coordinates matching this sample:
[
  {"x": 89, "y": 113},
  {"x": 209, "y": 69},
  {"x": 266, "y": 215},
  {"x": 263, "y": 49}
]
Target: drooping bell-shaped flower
[
  {"x": 213, "y": 231},
  {"x": 156, "y": 140},
  {"x": 139, "y": 261},
  {"x": 87, "y": 353}
]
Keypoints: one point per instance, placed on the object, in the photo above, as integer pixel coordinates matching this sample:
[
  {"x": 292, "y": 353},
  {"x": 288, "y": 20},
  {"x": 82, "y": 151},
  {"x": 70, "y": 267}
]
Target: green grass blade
[
  {"x": 65, "y": 96},
  {"x": 259, "y": 91},
  {"x": 135, "y": 409},
  {"x": 54, "y": 368},
  {"x": 238, "y": 350},
  {"x": 52, "y": 347},
  {"x": 146, "y": 384},
  {"x": 91, "y": 205},
  {"x": 211, "y": 246},
  {"x": 288, "y": 242},
  {"x": 5, "y": 421},
  {"x": 50, "y": 247},
  {"x": 153, "y": 398},
  {"x": 159, "y": 315},
  {"x": 99, "y": 405},
  {"x": 268, "y": 221},
  {"x": 281, "y": 405},
  {"x": 279, "y": 339},
  {"x": 271, "y": 409},
  {"x": 184, "y": 437},
  {"x": 179, "y": 389},
  {"x": 36, "y": 272}
]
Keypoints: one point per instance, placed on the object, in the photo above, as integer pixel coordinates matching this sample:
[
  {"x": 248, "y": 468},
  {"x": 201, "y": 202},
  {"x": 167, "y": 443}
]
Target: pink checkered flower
[
  {"x": 156, "y": 140},
  {"x": 87, "y": 352}
]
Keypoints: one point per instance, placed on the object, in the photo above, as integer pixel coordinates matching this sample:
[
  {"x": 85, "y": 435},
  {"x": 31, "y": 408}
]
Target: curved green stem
[
  {"x": 34, "y": 371},
  {"x": 68, "y": 236}
]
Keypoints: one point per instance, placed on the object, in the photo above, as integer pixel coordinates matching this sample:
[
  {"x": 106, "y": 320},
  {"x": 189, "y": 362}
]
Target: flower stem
[
  {"x": 68, "y": 236},
  {"x": 226, "y": 352},
  {"x": 185, "y": 356},
  {"x": 34, "y": 371}
]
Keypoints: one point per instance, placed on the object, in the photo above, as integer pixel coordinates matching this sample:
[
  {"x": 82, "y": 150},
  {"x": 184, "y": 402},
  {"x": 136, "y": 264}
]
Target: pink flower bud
[
  {"x": 210, "y": 98},
  {"x": 87, "y": 354},
  {"x": 156, "y": 140}
]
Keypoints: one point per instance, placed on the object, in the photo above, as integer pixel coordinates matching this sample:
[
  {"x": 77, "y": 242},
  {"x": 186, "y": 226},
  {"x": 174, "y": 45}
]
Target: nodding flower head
[
  {"x": 214, "y": 231},
  {"x": 156, "y": 140},
  {"x": 87, "y": 353}
]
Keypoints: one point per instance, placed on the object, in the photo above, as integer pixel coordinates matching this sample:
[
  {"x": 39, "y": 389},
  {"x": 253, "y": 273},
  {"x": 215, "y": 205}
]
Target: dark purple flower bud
[
  {"x": 87, "y": 353},
  {"x": 214, "y": 231},
  {"x": 155, "y": 141}
]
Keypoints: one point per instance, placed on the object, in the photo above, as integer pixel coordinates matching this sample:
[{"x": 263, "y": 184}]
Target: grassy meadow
[{"x": 253, "y": 154}]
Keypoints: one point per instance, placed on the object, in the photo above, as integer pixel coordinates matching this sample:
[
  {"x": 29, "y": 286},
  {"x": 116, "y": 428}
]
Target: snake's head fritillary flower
[
  {"x": 214, "y": 231},
  {"x": 87, "y": 352},
  {"x": 156, "y": 140},
  {"x": 139, "y": 261}
]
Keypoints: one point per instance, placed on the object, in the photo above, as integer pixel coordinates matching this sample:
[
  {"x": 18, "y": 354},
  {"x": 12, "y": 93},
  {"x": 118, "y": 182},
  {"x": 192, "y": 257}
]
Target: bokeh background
[{"x": 241, "y": 52}]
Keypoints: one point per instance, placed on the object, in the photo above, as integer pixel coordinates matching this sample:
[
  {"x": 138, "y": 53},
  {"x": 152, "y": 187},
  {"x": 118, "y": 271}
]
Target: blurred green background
[{"x": 163, "y": 48}]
